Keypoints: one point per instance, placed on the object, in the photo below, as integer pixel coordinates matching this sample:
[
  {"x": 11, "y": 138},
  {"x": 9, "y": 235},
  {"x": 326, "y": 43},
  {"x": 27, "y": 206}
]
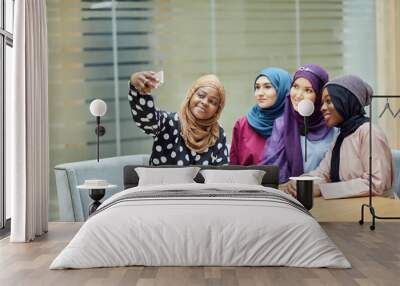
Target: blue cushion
[{"x": 396, "y": 158}]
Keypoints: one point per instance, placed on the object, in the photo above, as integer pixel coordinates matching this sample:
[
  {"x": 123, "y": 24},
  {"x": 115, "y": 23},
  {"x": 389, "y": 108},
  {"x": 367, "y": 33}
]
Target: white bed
[{"x": 222, "y": 224}]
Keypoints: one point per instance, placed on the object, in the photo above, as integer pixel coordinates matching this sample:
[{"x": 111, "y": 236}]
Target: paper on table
[
  {"x": 305, "y": 178},
  {"x": 351, "y": 188},
  {"x": 160, "y": 77}
]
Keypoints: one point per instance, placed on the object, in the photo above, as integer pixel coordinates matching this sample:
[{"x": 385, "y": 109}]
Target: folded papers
[{"x": 352, "y": 188}]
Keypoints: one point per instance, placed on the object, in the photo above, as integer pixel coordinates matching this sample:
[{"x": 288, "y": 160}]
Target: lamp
[
  {"x": 98, "y": 108},
  {"x": 306, "y": 108},
  {"x": 97, "y": 188}
]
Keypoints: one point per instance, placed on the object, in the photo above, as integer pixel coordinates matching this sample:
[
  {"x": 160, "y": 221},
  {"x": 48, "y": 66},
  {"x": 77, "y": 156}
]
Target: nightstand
[{"x": 97, "y": 190}]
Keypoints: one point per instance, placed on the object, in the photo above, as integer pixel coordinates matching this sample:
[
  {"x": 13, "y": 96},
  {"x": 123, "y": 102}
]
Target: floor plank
[{"x": 374, "y": 255}]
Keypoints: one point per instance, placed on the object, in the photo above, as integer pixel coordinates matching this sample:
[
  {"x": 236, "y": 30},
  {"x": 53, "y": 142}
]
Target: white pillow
[
  {"x": 248, "y": 177},
  {"x": 166, "y": 176}
]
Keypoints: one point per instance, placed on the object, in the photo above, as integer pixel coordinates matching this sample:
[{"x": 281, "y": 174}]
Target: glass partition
[{"x": 94, "y": 46}]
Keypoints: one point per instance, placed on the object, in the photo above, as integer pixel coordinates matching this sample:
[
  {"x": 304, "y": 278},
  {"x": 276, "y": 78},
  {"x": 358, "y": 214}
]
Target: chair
[{"x": 73, "y": 203}]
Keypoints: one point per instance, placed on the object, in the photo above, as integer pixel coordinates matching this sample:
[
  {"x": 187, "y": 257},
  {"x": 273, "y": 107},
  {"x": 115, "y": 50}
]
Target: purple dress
[{"x": 247, "y": 146}]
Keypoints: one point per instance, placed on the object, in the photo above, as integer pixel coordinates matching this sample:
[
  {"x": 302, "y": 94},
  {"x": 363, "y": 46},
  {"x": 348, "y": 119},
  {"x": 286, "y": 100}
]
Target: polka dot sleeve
[
  {"x": 221, "y": 157},
  {"x": 144, "y": 113}
]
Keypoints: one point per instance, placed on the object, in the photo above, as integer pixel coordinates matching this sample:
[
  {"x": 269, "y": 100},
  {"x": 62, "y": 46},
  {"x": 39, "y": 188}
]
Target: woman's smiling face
[
  {"x": 301, "y": 89},
  {"x": 264, "y": 92},
  {"x": 204, "y": 103},
  {"x": 331, "y": 115}
]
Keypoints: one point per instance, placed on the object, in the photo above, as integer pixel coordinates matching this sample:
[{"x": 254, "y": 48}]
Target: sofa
[{"x": 73, "y": 203}]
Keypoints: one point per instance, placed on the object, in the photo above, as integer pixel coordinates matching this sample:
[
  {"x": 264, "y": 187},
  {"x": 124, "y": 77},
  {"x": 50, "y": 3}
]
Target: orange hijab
[{"x": 200, "y": 134}]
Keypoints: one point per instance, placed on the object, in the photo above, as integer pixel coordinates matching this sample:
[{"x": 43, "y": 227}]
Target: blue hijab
[{"x": 262, "y": 119}]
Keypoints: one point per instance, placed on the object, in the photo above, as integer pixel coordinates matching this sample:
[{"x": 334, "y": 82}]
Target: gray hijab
[{"x": 359, "y": 88}]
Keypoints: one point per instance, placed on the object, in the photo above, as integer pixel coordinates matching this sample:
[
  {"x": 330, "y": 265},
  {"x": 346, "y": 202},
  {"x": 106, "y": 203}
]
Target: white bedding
[{"x": 187, "y": 230}]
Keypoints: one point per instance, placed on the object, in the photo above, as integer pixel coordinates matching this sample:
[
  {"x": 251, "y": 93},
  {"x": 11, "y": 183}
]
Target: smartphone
[{"x": 160, "y": 77}]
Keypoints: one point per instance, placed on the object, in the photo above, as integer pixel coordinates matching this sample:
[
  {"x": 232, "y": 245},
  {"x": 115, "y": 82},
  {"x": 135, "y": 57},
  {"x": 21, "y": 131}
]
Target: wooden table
[{"x": 349, "y": 210}]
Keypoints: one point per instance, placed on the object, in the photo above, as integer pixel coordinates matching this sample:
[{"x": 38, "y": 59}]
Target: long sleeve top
[
  {"x": 169, "y": 147},
  {"x": 315, "y": 150},
  {"x": 247, "y": 146},
  {"x": 354, "y": 161}
]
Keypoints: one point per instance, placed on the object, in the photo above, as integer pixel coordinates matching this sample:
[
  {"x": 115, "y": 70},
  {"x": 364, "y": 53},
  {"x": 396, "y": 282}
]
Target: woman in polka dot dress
[{"x": 191, "y": 137}]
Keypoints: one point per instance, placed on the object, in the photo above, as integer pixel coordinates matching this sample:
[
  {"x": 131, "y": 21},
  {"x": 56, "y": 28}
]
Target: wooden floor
[{"x": 374, "y": 255}]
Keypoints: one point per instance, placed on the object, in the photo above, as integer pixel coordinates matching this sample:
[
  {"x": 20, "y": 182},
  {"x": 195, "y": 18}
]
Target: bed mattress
[{"x": 201, "y": 225}]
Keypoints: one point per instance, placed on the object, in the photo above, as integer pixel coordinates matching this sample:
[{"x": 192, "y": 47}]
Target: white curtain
[{"x": 27, "y": 140}]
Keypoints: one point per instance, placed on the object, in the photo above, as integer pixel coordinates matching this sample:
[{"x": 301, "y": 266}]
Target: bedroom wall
[
  {"x": 233, "y": 38},
  {"x": 388, "y": 66}
]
